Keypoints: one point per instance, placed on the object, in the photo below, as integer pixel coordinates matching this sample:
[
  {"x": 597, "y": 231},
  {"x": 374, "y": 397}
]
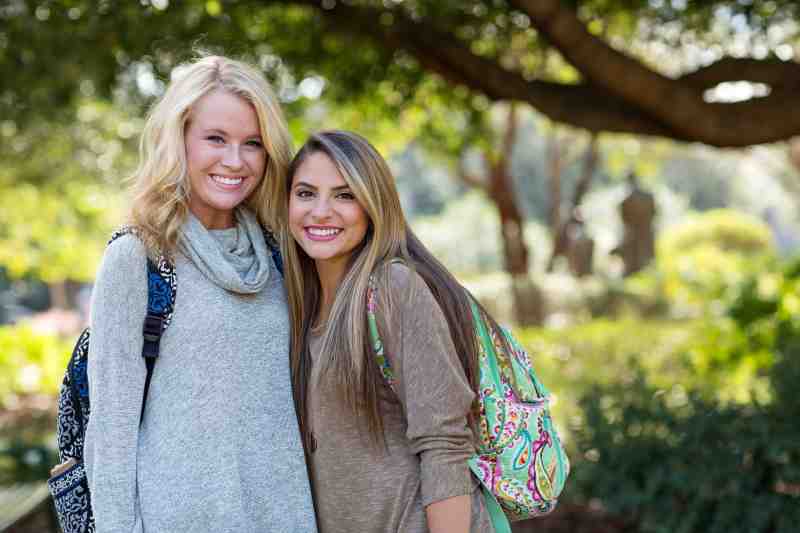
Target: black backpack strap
[
  {"x": 161, "y": 291},
  {"x": 162, "y": 285}
]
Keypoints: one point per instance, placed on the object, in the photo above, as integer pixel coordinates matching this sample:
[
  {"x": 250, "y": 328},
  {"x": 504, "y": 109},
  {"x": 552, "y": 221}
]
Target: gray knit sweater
[{"x": 218, "y": 449}]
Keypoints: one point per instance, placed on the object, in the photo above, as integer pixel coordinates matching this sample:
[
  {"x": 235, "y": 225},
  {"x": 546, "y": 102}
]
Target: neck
[
  {"x": 330, "y": 274},
  {"x": 215, "y": 220}
]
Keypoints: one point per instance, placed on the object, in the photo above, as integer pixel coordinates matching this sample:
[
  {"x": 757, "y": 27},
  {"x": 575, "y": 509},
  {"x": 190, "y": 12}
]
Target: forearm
[{"x": 451, "y": 515}]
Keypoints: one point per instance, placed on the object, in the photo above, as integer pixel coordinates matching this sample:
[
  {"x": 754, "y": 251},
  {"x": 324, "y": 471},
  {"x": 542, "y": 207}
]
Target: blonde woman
[
  {"x": 383, "y": 459},
  {"x": 218, "y": 448}
]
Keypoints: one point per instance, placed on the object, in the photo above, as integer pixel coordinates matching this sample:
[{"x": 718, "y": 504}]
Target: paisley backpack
[
  {"x": 70, "y": 488},
  {"x": 520, "y": 461}
]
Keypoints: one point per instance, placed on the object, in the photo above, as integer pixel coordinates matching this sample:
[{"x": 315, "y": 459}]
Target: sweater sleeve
[
  {"x": 432, "y": 387},
  {"x": 116, "y": 385}
]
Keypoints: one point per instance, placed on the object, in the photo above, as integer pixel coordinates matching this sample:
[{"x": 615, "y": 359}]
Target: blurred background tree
[
  {"x": 620, "y": 72},
  {"x": 512, "y": 126}
]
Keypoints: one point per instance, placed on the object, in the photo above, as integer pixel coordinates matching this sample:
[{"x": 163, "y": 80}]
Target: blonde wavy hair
[
  {"x": 161, "y": 187},
  {"x": 349, "y": 358}
]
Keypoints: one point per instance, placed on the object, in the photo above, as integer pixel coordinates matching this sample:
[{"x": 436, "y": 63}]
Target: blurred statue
[{"x": 637, "y": 211}]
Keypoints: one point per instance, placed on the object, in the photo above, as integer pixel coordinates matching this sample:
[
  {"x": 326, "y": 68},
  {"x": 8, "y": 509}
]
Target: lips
[
  {"x": 227, "y": 182},
  {"x": 322, "y": 233}
]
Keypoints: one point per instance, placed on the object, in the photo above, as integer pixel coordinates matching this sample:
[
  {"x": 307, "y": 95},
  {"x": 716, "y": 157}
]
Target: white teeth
[
  {"x": 226, "y": 181},
  {"x": 320, "y": 232}
]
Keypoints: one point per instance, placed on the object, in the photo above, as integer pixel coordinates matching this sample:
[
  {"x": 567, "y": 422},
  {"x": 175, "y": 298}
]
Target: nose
[
  {"x": 321, "y": 208},
  {"x": 232, "y": 158}
]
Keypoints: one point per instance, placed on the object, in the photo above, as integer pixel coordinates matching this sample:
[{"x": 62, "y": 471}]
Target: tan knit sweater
[{"x": 359, "y": 488}]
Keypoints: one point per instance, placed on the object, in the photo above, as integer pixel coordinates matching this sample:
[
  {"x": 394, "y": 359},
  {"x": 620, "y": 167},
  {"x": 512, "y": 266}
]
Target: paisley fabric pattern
[
  {"x": 70, "y": 490},
  {"x": 520, "y": 459}
]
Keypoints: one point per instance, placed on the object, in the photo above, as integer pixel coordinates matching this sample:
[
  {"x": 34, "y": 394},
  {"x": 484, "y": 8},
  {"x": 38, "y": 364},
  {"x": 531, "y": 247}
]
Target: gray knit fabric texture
[{"x": 219, "y": 448}]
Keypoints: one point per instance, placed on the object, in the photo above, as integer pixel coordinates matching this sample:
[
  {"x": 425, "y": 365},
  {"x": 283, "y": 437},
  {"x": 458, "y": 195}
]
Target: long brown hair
[{"x": 349, "y": 356}]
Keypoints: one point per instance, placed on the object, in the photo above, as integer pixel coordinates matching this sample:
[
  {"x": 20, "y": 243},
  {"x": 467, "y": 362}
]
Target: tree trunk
[
  {"x": 560, "y": 227},
  {"x": 528, "y": 300},
  {"x": 555, "y": 163}
]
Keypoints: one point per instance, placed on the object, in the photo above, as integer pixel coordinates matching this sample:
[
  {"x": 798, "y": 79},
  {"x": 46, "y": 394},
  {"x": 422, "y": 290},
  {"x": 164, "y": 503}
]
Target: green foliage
[
  {"x": 725, "y": 229},
  {"x": 710, "y": 358},
  {"x": 26, "y": 447},
  {"x": 31, "y": 363},
  {"x": 668, "y": 458},
  {"x": 61, "y": 192},
  {"x": 674, "y": 462},
  {"x": 699, "y": 258},
  {"x": 31, "y": 369},
  {"x": 62, "y": 241},
  {"x": 99, "y": 55}
]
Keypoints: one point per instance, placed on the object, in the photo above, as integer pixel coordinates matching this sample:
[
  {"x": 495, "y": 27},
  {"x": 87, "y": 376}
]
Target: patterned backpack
[
  {"x": 520, "y": 461},
  {"x": 70, "y": 488}
]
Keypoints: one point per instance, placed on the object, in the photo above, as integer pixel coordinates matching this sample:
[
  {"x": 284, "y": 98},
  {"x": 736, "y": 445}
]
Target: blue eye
[{"x": 215, "y": 139}]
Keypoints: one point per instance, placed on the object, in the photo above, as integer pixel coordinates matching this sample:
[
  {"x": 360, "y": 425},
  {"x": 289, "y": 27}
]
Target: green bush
[
  {"x": 31, "y": 368},
  {"x": 673, "y": 462},
  {"x": 669, "y": 458},
  {"x": 726, "y": 229},
  {"x": 696, "y": 261},
  {"x": 30, "y": 362},
  {"x": 710, "y": 357}
]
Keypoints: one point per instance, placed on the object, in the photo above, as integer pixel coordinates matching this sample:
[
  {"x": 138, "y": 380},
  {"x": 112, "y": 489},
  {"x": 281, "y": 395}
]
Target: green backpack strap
[
  {"x": 377, "y": 343},
  {"x": 497, "y": 516}
]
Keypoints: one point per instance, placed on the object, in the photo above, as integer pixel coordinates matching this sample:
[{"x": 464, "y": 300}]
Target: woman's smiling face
[
  {"x": 325, "y": 218},
  {"x": 225, "y": 156}
]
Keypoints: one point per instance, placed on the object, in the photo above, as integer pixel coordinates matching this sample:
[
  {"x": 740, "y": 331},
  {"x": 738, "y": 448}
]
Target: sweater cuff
[{"x": 443, "y": 481}]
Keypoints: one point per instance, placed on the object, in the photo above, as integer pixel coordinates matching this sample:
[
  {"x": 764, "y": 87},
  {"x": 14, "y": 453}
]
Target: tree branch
[
  {"x": 777, "y": 74},
  {"x": 620, "y": 94},
  {"x": 676, "y": 104},
  {"x": 582, "y": 106}
]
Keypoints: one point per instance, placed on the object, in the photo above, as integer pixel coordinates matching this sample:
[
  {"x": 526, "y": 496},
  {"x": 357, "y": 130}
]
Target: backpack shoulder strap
[
  {"x": 377, "y": 344},
  {"x": 162, "y": 287},
  {"x": 274, "y": 249}
]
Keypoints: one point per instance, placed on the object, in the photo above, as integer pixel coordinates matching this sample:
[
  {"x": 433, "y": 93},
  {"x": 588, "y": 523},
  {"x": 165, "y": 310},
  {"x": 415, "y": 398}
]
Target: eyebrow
[
  {"x": 305, "y": 184},
  {"x": 225, "y": 133}
]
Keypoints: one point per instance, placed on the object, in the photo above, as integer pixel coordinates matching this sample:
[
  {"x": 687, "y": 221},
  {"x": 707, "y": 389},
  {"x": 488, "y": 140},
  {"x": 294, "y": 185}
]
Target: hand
[
  {"x": 452, "y": 515},
  {"x": 63, "y": 467}
]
